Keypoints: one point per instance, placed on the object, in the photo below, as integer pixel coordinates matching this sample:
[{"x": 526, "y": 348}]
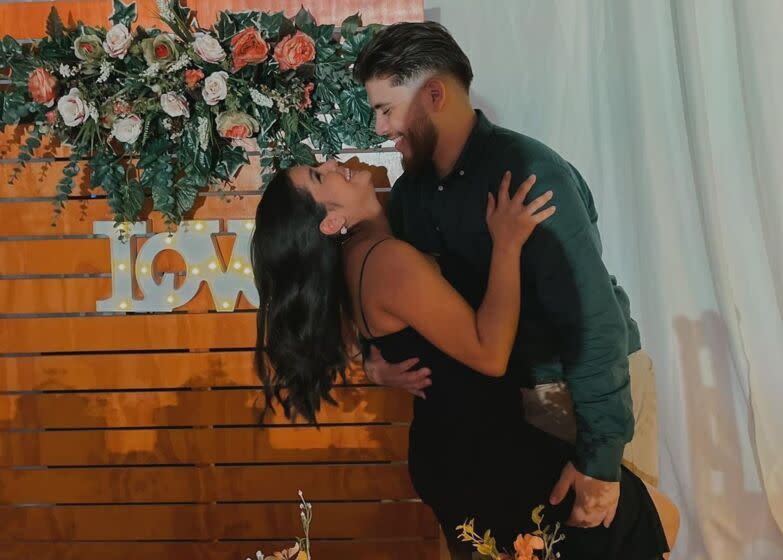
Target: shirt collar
[{"x": 474, "y": 148}]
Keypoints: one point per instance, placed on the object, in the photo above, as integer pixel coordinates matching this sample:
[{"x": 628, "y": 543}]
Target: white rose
[
  {"x": 215, "y": 88},
  {"x": 127, "y": 129},
  {"x": 208, "y": 48},
  {"x": 118, "y": 41},
  {"x": 174, "y": 105},
  {"x": 72, "y": 108}
]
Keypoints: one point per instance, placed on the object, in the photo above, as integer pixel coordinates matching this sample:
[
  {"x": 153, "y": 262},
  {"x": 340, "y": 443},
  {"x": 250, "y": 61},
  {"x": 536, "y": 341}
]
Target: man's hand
[
  {"x": 399, "y": 375},
  {"x": 596, "y": 500}
]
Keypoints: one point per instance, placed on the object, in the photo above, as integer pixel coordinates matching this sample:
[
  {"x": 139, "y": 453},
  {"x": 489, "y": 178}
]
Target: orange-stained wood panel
[
  {"x": 55, "y": 256},
  {"x": 324, "y": 11},
  {"x": 295, "y": 444},
  {"x": 355, "y": 405},
  {"x": 37, "y": 217},
  {"x": 39, "y": 179},
  {"x": 136, "y": 371},
  {"x": 131, "y": 332},
  {"x": 12, "y": 137},
  {"x": 415, "y": 549},
  {"x": 79, "y": 295},
  {"x": 205, "y": 484},
  {"x": 220, "y": 521},
  {"x": 23, "y": 20},
  {"x": 28, "y": 19}
]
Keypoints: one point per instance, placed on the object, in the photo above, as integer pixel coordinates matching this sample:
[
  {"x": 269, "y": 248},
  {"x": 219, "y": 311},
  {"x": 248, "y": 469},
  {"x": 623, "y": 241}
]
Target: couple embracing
[{"x": 481, "y": 289}]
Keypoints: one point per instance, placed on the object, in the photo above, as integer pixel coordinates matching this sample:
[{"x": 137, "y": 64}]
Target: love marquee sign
[{"x": 193, "y": 242}]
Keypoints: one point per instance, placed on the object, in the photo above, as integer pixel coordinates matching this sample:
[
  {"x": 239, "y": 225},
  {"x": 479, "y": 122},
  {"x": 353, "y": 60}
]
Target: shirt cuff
[{"x": 601, "y": 461}]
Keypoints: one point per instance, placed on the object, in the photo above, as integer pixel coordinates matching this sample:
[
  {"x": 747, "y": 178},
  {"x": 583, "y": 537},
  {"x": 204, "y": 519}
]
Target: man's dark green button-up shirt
[{"x": 575, "y": 323}]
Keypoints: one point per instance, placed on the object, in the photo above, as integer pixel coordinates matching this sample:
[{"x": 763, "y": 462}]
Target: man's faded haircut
[{"x": 405, "y": 51}]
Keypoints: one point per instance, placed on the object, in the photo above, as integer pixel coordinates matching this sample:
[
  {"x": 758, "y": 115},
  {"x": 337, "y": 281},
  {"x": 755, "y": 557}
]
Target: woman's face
[{"x": 345, "y": 192}]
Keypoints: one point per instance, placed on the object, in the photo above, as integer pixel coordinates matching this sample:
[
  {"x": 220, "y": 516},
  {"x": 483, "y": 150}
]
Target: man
[{"x": 575, "y": 331}]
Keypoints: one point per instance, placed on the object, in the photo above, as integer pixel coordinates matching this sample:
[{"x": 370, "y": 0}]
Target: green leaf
[
  {"x": 325, "y": 53},
  {"x": 353, "y": 102},
  {"x": 231, "y": 159},
  {"x": 125, "y": 14},
  {"x": 185, "y": 195},
  {"x": 287, "y": 27},
  {"x": 290, "y": 124},
  {"x": 33, "y": 143},
  {"x": 355, "y": 43},
  {"x": 152, "y": 152},
  {"x": 225, "y": 26},
  {"x": 302, "y": 154},
  {"x": 65, "y": 185},
  {"x": 305, "y": 21},
  {"x": 54, "y": 25},
  {"x": 269, "y": 24},
  {"x": 125, "y": 195},
  {"x": 306, "y": 71},
  {"x": 158, "y": 176},
  {"x": 324, "y": 34},
  {"x": 350, "y": 25},
  {"x": 10, "y": 51}
]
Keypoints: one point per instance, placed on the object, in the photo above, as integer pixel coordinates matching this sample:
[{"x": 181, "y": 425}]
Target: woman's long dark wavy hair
[{"x": 300, "y": 349}]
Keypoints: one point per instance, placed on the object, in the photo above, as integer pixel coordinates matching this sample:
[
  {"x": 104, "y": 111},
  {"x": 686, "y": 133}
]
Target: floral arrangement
[
  {"x": 536, "y": 546},
  {"x": 301, "y": 549},
  {"x": 165, "y": 113}
]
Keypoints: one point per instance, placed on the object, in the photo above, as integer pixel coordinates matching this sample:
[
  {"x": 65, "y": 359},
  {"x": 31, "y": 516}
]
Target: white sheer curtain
[{"x": 673, "y": 111}]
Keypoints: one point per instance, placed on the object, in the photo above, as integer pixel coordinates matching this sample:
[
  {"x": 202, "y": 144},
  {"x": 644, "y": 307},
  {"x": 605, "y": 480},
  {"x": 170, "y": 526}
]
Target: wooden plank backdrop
[{"x": 129, "y": 436}]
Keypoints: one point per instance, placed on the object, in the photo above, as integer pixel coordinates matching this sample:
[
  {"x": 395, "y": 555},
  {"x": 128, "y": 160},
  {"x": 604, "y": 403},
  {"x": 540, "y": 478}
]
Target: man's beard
[{"x": 421, "y": 138}]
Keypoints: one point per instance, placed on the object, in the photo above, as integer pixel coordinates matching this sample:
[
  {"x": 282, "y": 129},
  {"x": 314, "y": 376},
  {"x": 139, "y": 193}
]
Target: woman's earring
[{"x": 343, "y": 230}]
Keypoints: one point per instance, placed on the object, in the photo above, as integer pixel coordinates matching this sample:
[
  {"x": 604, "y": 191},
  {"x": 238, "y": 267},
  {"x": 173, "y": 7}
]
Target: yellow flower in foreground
[{"x": 488, "y": 548}]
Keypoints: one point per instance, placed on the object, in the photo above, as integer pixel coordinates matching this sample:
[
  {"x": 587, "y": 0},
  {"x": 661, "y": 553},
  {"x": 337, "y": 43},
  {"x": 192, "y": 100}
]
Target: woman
[{"x": 324, "y": 259}]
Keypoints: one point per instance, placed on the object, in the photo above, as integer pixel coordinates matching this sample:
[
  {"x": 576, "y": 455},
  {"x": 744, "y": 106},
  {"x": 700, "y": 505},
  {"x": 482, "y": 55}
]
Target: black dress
[{"x": 473, "y": 455}]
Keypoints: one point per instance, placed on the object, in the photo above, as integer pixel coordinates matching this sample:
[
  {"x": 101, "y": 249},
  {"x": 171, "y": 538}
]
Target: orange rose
[
  {"x": 42, "y": 86},
  {"x": 236, "y": 125},
  {"x": 193, "y": 77},
  {"x": 248, "y": 47},
  {"x": 307, "y": 102},
  {"x": 295, "y": 50}
]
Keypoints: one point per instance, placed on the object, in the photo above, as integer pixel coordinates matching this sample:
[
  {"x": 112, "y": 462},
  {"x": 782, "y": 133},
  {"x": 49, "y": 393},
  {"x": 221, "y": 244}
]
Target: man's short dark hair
[{"x": 406, "y": 50}]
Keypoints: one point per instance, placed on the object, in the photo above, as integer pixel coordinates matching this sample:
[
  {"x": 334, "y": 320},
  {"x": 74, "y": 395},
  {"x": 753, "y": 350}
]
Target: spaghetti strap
[{"x": 361, "y": 279}]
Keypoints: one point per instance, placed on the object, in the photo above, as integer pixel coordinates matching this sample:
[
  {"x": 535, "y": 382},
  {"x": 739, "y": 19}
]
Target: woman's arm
[{"x": 408, "y": 288}]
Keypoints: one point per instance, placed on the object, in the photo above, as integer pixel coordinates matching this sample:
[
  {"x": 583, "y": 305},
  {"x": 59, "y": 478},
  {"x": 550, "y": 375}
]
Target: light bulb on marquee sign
[{"x": 193, "y": 242}]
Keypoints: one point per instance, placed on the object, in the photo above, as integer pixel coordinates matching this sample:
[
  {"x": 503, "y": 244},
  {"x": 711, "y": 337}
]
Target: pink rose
[
  {"x": 294, "y": 50},
  {"x": 42, "y": 87},
  {"x": 72, "y": 108}
]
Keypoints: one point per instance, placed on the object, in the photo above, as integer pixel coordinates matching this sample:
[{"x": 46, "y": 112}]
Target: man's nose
[{"x": 381, "y": 126}]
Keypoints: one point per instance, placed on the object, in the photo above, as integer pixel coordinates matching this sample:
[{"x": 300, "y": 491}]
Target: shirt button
[
  {"x": 461, "y": 172},
  {"x": 440, "y": 187},
  {"x": 437, "y": 228}
]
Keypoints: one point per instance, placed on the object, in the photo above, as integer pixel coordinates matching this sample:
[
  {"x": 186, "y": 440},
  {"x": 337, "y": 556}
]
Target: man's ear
[
  {"x": 331, "y": 224},
  {"x": 435, "y": 93}
]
